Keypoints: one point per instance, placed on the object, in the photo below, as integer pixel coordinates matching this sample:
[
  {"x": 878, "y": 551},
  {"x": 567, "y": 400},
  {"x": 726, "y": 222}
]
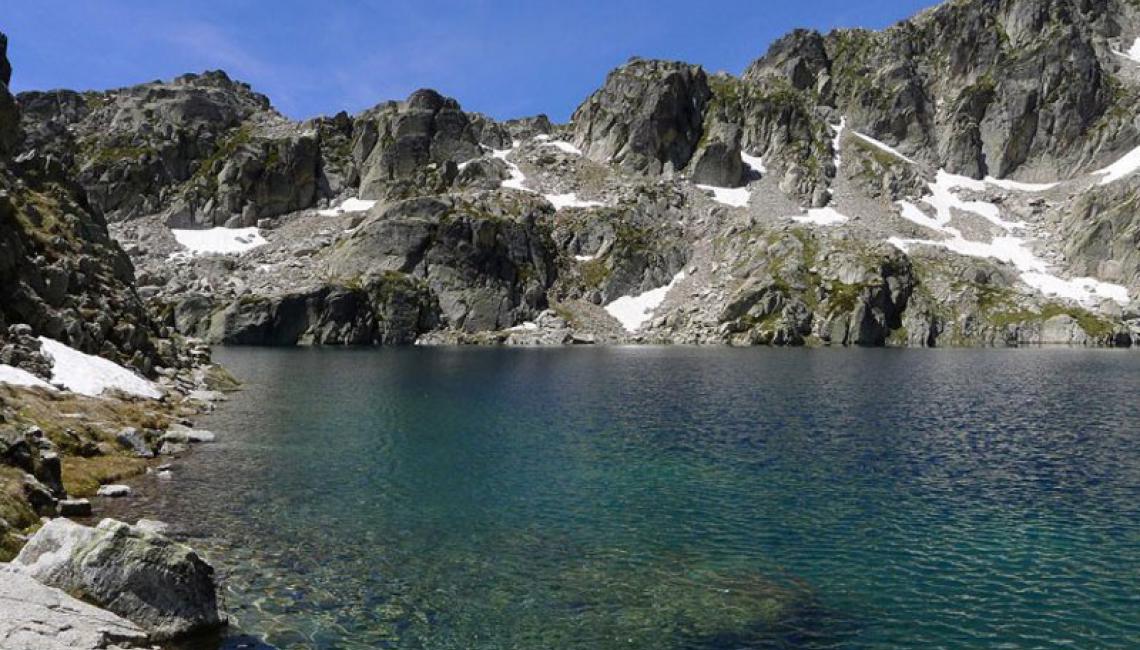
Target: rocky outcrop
[
  {"x": 411, "y": 148},
  {"x": 488, "y": 260},
  {"x": 203, "y": 148},
  {"x": 978, "y": 88},
  {"x": 382, "y": 309},
  {"x": 647, "y": 118},
  {"x": 60, "y": 272},
  {"x": 9, "y": 114},
  {"x": 161, "y": 586},
  {"x": 38, "y": 617}
]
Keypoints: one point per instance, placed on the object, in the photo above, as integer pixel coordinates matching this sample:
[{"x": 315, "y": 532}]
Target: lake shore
[{"x": 64, "y": 457}]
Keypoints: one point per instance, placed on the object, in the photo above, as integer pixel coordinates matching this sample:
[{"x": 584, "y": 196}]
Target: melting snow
[
  {"x": 1133, "y": 52},
  {"x": 1035, "y": 271},
  {"x": 221, "y": 241},
  {"x": 1126, "y": 166},
  {"x": 633, "y": 311},
  {"x": 884, "y": 146},
  {"x": 570, "y": 200},
  {"x": 348, "y": 206},
  {"x": 1007, "y": 184},
  {"x": 528, "y": 326},
  {"x": 518, "y": 179},
  {"x": 18, "y": 377},
  {"x": 943, "y": 199},
  {"x": 837, "y": 141},
  {"x": 564, "y": 146},
  {"x": 821, "y": 217},
  {"x": 755, "y": 162},
  {"x": 89, "y": 375},
  {"x": 737, "y": 197},
  {"x": 585, "y": 258}
]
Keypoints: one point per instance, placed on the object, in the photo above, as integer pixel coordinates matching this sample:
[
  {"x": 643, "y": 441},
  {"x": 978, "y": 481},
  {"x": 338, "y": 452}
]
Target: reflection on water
[{"x": 671, "y": 498}]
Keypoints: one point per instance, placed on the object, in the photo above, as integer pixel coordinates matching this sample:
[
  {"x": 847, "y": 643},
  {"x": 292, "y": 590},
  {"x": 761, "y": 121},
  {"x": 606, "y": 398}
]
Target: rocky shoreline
[{"x": 112, "y": 585}]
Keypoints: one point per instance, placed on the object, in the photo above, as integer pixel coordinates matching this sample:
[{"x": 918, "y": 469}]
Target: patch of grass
[{"x": 83, "y": 476}]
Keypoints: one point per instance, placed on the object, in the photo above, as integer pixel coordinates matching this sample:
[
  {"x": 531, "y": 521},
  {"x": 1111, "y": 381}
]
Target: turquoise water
[{"x": 672, "y": 498}]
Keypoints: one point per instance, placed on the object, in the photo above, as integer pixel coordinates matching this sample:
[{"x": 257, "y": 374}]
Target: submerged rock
[{"x": 162, "y": 586}]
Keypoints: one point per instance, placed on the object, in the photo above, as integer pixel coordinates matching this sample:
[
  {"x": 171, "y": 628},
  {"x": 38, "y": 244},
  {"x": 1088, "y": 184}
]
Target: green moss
[{"x": 594, "y": 273}]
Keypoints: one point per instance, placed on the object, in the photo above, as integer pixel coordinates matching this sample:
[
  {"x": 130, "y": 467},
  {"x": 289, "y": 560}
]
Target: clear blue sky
[{"x": 506, "y": 58}]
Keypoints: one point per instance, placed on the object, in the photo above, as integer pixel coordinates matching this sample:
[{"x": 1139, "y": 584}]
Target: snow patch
[
  {"x": 944, "y": 199},
  {"x": 1126, "y": 166},
  {"x": 348, "y": 206},
  {"x": 92, "y": 376},
  {"x": 633, "y": 311},
  {"x": 525, "y": 327},
  {"x": 17, "y": 377},
  {"x": 755, "y": 162},
  {"x": 219, "y": 241},
  {"x": 1017, "y": 186},
  {"x": 837, "y": 141},
  {"x": 822, "y": 217},
  {"x": 1133, "y": 52},
  {"x": 737, "y": 197},
  {"x": 564, "y": 146},
  {"x": 585, "y": 258},
  {"x": 884, "y": 147},
  {"x": 1034, "y": 271},
  {"x": 570, "y": 200},
  {"x": 517, "y": 181}
]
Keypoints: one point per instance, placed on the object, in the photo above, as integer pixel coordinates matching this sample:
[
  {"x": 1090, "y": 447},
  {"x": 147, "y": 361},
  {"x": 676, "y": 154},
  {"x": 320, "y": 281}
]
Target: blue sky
[{"x": 506, "y": 58}]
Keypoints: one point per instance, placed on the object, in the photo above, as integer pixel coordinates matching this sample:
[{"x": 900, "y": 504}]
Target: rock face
[
  {"x": 60, "y": 272},
  {"x": 646, "y": 118},
  {"x": 488, "y": 261},
  {"x": 408, "y": 147},
  {"x": 159, "y": 585},
  {"x": 385, "y": 309},
  {"x": 9, "y": 114},
  {"x": 202, "y": 148},
  {"x": 850, "y": 188},
  {"x": 37, "y": 617}
]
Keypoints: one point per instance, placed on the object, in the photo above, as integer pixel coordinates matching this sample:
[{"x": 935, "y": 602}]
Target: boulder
[
  {"x": 39, "y": 617},
  {"x": 162, "y": 586}
]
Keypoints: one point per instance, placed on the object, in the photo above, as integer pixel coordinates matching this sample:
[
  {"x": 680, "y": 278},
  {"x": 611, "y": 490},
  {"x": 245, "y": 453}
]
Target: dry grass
[
  {"x": 83, "y": 476},
  {"x": 14, "y": 510}
]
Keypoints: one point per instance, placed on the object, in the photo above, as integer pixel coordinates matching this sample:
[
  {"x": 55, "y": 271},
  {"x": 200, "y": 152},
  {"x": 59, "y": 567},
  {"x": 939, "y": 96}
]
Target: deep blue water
[{"x": 672, "y": 498}]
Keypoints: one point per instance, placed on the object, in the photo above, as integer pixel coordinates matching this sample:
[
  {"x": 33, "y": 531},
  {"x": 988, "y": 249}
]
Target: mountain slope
[{"x": 964, "y": 177}]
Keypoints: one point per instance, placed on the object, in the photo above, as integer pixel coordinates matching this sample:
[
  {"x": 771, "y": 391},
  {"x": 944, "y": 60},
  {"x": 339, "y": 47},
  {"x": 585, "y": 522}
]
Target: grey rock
[
  {"x": 114, "y": 491},
  {"x": 38, "y": 617},
  {"x": 646, "y": 118},
  {"x": 161, "y": 586}
]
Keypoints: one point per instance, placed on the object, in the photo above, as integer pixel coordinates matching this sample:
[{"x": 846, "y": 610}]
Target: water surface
[{"x": 657, "y": 498}]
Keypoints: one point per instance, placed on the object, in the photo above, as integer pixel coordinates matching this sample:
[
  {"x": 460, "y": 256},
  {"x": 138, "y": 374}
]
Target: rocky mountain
[
  {"x": 965, "y": 177},
  {"x": 61, "y": 274}
]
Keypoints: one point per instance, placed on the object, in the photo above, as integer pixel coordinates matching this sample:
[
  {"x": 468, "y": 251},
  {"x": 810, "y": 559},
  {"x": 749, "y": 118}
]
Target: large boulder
[
  {"x": 160, "y": 585},
  {"x": 38, "y": 617},
  {"x": 647, "y": 117}
]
